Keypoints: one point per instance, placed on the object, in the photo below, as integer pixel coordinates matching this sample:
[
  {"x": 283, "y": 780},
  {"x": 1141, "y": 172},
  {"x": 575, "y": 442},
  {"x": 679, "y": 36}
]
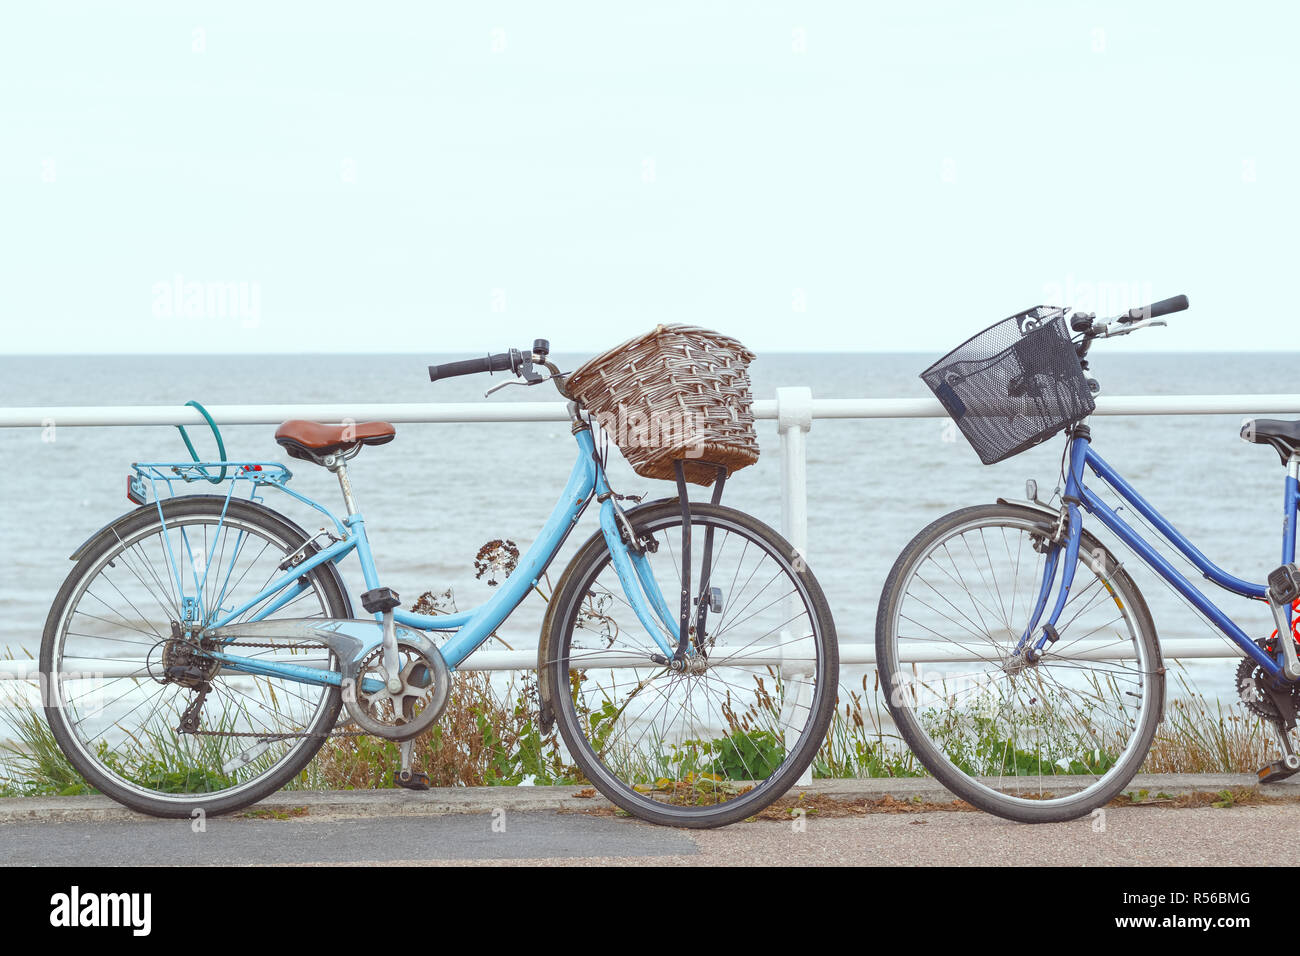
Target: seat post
[{"x": 338, "y": 464}]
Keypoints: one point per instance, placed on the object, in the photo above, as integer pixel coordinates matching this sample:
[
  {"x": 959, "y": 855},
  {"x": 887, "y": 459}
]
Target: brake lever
[
  {"x": 1128, "y": 327},
  {"x": 501, "y": 385},
  {"x": 536, "y": 380},
  {"x": 521, "y": 363}
]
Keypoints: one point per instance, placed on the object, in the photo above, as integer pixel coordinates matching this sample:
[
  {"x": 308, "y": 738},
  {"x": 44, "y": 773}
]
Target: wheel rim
[
  {"x": 1012, "y": 735},
  {"x": 707, "y": 742},
  {"x": 111, "y": 646}
]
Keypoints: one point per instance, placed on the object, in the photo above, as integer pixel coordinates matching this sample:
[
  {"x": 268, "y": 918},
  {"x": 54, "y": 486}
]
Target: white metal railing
[
  {"x": 794, "y": 409},
  {"x": 792, "y": 405},
  {"x": 853, "y": 653}
]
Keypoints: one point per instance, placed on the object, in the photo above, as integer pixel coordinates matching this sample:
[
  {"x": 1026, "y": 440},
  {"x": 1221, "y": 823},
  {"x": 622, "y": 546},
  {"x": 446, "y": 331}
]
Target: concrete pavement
[
  {"x": 1145, "y": 836},
  {"x": 569, "y": 825},
  {"x": 451, "y": 800}
]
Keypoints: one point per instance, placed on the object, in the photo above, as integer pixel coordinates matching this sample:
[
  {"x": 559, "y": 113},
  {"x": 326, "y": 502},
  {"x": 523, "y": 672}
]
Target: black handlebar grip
[
  {"x": 489, "y": 363},
  {"x": 1157, "y": 309}
]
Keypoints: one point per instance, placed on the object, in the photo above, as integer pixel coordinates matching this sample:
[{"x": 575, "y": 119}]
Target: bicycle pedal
[
  {"x": 1284, "y": 585},
  {"x": 411, "y": 779},
  {"x": 1277, "y": 770}
]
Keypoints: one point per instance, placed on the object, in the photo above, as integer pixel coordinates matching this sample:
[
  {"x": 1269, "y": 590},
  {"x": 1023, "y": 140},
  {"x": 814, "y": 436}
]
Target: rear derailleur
[{"x": 183, "y": 662}]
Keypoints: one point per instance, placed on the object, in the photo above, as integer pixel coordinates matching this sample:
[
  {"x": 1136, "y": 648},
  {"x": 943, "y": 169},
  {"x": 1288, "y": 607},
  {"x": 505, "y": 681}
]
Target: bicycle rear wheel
[
  {"x": 1044, "y": 742},
  {"x": 109, "y": 648},
  {"x": 721, "y": 740}
]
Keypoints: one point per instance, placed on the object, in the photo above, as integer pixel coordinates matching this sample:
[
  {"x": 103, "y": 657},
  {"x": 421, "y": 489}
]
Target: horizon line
[{"x": 471, "y": 354}]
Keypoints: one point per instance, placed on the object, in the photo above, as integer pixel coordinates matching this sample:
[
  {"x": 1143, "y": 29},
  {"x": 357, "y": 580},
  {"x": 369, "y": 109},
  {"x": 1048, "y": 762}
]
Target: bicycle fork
[
  {"x": 671, "y": 633},
  {"x": 1065, "y": 538},
  {"x": 1068, "y": 534}
]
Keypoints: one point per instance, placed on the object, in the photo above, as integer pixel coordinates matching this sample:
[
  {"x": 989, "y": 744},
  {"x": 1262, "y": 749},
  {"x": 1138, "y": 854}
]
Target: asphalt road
[{"x": 1125, "y": 836}]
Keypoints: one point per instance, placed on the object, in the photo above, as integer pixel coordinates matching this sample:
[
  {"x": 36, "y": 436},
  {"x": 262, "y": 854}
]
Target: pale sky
[{"x": 807, "y": 176}]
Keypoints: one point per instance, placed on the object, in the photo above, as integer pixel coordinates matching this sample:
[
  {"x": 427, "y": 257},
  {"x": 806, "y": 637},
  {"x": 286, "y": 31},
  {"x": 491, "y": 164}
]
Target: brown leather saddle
[{"x": 312, "y": 441}]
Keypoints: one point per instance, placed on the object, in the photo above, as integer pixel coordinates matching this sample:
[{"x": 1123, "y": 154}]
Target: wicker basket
[{"x": 678, "y": 393}]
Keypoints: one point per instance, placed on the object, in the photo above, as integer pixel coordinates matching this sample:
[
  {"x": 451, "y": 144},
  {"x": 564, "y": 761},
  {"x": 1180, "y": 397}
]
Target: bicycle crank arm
[
  {"x": 1290, "y": 662},
  {"x": 1288, "y": 766},
  {"x": 406, "y": 777},
  {"x": 391, "y": 665}
]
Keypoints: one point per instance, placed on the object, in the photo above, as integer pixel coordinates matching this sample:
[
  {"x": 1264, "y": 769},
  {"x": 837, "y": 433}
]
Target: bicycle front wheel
[
  {"x": 120, "y": 679},
  {"x": 719, "y": 740},
  {"x": 1039, "y": 742}
]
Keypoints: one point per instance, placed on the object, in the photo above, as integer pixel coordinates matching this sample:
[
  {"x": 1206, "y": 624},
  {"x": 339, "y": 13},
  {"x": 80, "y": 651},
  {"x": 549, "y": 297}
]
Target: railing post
[{"x": 794, "y": 414}]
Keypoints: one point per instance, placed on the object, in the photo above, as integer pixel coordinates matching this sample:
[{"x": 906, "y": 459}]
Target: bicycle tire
[
  {"x": 1040, "y": 803},
  {"x": 731, "y": 793}
]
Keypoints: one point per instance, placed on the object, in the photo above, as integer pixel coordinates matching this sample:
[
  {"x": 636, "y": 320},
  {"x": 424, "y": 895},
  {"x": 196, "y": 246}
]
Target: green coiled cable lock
[{"x": 216, "y": 433}]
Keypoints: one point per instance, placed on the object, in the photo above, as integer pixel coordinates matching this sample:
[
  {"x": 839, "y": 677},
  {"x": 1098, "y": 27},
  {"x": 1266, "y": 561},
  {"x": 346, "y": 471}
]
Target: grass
[
  {"x": 853, "y": 749},
  {"x": 1198, "y": 735},
  {"x": 274, "y": 813},
  {"x": 485, "y": 740},
  {"x": 480, "y": 740},
  {"x": 1202, "y": 736},
  {"x": 32, "y": 763}
]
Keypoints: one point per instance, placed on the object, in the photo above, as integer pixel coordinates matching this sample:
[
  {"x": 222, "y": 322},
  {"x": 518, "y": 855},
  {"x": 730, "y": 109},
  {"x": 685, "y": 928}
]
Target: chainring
[
  {"x": 1250, "y": 686},
  {"x": 415, "y": 707}
]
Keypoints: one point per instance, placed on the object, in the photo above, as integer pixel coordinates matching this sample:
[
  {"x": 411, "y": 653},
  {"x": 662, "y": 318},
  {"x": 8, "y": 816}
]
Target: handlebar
[
  {"x": 1138, "y": 318},
  {"x": 490, "y": 363},
  {"x": 1156, "y": 309},
  {"x": 522, "y": 362}
]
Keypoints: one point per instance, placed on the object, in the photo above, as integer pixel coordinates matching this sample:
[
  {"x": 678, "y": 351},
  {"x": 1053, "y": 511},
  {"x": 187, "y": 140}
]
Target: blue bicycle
[
  {"x": 204, "y": 647},
  {"x": 1019, "y": 659}
]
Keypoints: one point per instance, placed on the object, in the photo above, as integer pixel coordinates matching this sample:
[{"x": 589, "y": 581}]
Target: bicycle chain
[{"x": 283, "y": 736}]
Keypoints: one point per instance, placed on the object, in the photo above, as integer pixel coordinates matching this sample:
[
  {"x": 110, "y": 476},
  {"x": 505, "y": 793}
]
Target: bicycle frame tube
[
  {"x": 1167, "y": 530},
  {"x": 1290, "y": 505},
  {"x": 1077, "y": 493},
  {"x": 335, "y": 552}
]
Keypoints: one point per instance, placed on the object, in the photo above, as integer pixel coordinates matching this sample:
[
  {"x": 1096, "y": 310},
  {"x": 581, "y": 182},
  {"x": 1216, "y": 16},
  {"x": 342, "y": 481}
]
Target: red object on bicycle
[{"x": 1295, "y": 621}]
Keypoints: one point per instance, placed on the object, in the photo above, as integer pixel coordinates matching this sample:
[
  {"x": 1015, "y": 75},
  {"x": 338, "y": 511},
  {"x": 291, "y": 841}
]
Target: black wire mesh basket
[{"x": 1014, "y": 384}]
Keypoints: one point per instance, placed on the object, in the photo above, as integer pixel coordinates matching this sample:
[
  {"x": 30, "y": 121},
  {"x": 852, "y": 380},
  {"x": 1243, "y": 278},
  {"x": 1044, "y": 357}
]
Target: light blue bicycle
[{"x": 204, "y": 646}]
